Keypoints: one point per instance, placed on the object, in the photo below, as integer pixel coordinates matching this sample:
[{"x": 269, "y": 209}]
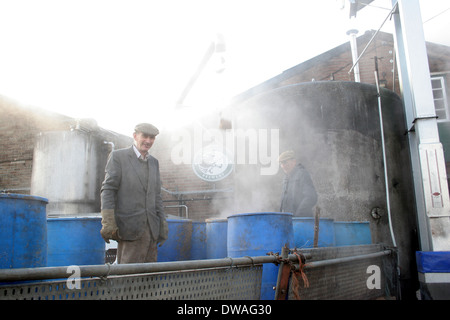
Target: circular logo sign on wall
[{"x": 212, "y": 164}]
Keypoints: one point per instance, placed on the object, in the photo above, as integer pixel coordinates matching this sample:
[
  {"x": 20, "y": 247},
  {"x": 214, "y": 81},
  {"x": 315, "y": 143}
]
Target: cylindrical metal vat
[
  {"x": 350, "y": 233},
  {"x": 23, "y": 231},
  {"x": 178, "y": 245},
  {"x": 68, "y": 168},
  {"x": 334, "y": 129},
  {"x": 75, "y": 241},
  {"x": 304, "y": 232},
  {"x": 256, "y": 234},
  {"x": 198, "y": 240},
  {"x": 216, "y": 238}
]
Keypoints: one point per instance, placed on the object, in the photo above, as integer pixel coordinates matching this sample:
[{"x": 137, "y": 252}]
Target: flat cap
[
  {"x": 286, "y": 156},
  {"x": 147, "y": 128}
]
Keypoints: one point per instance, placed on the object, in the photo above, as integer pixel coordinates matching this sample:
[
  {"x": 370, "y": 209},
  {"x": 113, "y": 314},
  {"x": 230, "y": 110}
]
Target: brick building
[
  {"x": 185, "y": 191},
  {"x": 335, "y": 64},
  {"x": 212, "y": 199},
  {"x": 20, "y": 127}
]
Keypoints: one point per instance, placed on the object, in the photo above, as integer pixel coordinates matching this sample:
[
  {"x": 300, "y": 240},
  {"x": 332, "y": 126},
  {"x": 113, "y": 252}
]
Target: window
[{"x": 440, "y": 98}]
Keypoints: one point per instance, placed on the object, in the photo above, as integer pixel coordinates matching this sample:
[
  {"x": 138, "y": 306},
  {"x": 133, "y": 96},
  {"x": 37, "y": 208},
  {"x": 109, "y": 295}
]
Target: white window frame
[{"x": 444, "y": 98}]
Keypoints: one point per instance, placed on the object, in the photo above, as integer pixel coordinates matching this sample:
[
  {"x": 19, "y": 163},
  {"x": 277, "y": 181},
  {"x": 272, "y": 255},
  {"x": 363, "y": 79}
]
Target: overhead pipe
[{"x": 216, "y": 46}]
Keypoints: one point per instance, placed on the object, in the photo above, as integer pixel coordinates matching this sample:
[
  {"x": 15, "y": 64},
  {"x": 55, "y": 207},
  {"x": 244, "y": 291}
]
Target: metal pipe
[
  {"x": 110, "y": 143},
  {"x": 373, "y": 37},
  {"x": 354, "y": 48},
  {"x": 23, "y": 274},
  {"x": 386, "y": 181},
  {"x": 14, "y": 190},
  {"x": 215, "y": 46},
  {"x": 180, "y": 206},
  {"x": 177, "y": 193},
  {"x": 196, "y": 199},
  {"x": 323, "y": 263}
]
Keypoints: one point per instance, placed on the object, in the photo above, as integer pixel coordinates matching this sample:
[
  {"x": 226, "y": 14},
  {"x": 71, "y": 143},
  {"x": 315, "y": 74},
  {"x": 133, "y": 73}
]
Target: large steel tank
[
  {"x": 334, "y": 128},
  {"x": 68, "y": 168}
]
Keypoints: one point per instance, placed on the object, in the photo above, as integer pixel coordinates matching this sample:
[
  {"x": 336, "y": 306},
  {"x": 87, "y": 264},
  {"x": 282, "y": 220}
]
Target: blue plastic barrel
[
  {"x": 23, "y": 231},
  {"x": 349, "y": 233},
  {"x": 178, "y": 245},
  {"x": 304, "y": 232},
  {"x": 256, "y": 234},
  {"x": 198, "y": 240},
  {"x": 216, "y": 238},
  {"x": 75, "y": 241}
]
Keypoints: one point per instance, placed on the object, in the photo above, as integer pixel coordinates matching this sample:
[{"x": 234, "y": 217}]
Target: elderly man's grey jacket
[
  {"x": 299, "y": 195},
  {"x": 134, "y": 201}
]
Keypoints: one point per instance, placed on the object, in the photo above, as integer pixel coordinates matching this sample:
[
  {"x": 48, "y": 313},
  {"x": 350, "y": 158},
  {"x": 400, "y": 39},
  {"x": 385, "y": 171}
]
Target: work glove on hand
[
  {"x": 109, "y": 229},
  {"x": 163, "y": 232}
]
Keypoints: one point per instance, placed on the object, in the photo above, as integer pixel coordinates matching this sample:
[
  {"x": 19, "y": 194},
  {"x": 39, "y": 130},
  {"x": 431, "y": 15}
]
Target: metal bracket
[{"x": 284, "y": 271}]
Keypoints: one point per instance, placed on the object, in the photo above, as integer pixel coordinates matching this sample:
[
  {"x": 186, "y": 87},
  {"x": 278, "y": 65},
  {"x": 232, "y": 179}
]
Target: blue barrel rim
[
  {"x": 72, "y": 218},
  {"x": 351, "y": 222},
  {"x": 259, "y": 214},
  {"x": 178, "y": 220},
  {"x": 22, "y": 197},
  {"x": 210, "y": 220},
  {"x": 312, "y": 218}
]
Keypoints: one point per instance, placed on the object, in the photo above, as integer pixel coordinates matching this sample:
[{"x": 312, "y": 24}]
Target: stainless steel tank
[{"x": 68, "y": 167}]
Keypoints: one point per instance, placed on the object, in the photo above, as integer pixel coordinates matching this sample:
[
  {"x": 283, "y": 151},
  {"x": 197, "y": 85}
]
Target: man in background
[{"x": 299, "y": 195}]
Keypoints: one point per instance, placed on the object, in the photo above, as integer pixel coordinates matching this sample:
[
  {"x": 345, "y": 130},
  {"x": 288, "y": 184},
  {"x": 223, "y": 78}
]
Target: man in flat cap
[
  {"x": 131, "y": 203},
  {"x": 299, "y": 195}
]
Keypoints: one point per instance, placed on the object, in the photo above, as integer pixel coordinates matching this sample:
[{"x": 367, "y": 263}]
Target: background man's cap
[
  {"x": 146, "y": 128},
  {"x": 286, "y": 156}
]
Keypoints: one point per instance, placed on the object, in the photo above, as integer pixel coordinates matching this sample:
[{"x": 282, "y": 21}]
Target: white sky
[{"x": 127, "y": 61}]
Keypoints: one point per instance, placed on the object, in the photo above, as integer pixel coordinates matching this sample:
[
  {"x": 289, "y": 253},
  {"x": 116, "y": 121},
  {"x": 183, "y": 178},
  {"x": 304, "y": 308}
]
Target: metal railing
[{"x": 224, "y": 279}]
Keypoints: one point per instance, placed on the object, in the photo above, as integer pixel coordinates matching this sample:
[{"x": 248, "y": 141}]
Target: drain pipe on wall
[{"x": 386, "y": 181}]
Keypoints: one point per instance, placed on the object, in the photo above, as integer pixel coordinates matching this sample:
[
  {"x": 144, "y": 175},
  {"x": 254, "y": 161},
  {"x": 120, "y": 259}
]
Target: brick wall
[
  {"x": 337, "y": 67},
  {"x": 19, "y": 126}
]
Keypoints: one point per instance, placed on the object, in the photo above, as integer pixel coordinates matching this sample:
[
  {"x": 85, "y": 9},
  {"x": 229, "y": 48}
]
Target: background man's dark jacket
[{"x": 299, "y": 195}]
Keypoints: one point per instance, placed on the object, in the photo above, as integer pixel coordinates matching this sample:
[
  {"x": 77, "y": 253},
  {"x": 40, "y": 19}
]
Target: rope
[
  {"x": 300, "y": 273},
  {"x": 297, "y": 274},
  {"x": 301, "y": 266}
]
